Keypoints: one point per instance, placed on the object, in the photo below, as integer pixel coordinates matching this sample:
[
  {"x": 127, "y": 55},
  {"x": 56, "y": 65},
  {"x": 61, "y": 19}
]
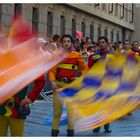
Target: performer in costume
[
  {"x": 14, "y": 111},
  {"x": 103, "y": 53},
  {"x": 64, "y": 73}
]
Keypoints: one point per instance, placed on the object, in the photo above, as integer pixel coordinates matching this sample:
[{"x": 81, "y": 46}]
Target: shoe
[
  {"x": 96, "y": 130},
  {"x": 54, "y": 133},
  {"x": 129, "y": 114},
  {"x": 107, "y": 128},
  {"x": 70, "y": 133},
  {"x": 108, "y": 131}
]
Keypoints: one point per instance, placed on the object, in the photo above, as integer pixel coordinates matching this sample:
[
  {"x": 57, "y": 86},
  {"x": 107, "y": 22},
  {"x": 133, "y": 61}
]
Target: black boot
[
  {"x": 55, "y": 133},
  {"x": 96, "y": 130},
  {"x": 107, "y": 129},
  {"x": 129, "y": 114},
  {"x": 70, "y": 133}
]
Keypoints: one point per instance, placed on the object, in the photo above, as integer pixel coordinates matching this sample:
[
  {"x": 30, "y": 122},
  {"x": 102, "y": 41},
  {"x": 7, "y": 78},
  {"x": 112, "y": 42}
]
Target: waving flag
[
  {"x": 79, "y": 34},
  {"x": 110, "y": 90},
  {"x": 25, "y": 59}
]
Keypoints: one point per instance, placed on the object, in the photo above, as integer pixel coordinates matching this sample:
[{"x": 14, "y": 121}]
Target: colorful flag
[
  {"x": 25, "y": 59},
  {"x": 79, "y": 35},
  {"x": 107, "y": 92}
]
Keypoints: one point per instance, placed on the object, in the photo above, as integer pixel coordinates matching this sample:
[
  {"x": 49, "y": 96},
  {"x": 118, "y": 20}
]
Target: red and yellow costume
[
  {"x": 64, "y": 73},
  {"x": 10, "y": 113}
]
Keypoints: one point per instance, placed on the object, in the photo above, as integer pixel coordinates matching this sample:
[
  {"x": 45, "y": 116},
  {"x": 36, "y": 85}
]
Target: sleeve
[
  {"x": 52, "y": 73},
  {"x": 82, "y": 64},
  {"x": 35, "y": 92},
  {"x": 90, "y": 61}
]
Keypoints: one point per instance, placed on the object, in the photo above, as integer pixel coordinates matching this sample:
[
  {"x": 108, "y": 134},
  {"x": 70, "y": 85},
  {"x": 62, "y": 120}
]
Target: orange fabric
[{"x": 70, "y": 58}]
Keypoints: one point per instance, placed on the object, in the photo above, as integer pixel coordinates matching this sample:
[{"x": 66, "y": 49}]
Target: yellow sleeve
[{"x": 82, "y": 64}]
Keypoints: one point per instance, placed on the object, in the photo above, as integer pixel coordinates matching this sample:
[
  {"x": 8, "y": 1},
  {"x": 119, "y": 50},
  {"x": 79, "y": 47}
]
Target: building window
[
  {"x": 117, "y": 37},
  {"x": 106, "y": 33},
  {"x": 116, "y": 10},
  {"x": 0, "y": 13},
  {"x": 91, "y": 32},
  {"x": 62, "y": 25},
  {"x": 73, "y": 27},
  {"x": 99, "y": 31},
  {"x": 50, "y": 24},
  {"x": 18, "y": 10},
  {"x": 35, "y": 18},
  {"x": 129, "y": 38},
  {"x": 112, "y": 36},
  {"x": 122, "y": 11},
  {"x": 126, "y": 15},
  {"x": 111, "y": 8},
  {"x": 83, "y": 27},
  {"x": 104, "y": 7},
  {"x": 97, "y": 5},
  {"x": 131, "y": 13}
]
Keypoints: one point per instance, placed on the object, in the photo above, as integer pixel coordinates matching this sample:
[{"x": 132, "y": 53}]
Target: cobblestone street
[{"x": 126, "y": 126}]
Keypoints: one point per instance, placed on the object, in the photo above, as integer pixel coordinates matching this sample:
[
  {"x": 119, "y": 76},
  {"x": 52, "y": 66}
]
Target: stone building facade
[
  {"x": 115, "y": 21},
  {"x": 136, "y": 35}
]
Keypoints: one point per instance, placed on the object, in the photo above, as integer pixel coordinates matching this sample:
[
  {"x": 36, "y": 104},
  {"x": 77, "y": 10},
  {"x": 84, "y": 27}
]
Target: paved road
[{"x": 126, "y": 126}]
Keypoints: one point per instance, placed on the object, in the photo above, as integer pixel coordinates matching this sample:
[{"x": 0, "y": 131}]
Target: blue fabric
[{"x": 92, "y": 81}]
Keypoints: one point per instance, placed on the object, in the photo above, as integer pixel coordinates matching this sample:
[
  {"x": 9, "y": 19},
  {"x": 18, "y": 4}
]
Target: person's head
[
  {"x": 90, "y": 50},
  {"x": 119, "y": 42},
  {"x": 95, "y": 47},
  {"x": 103, "y": 43},
  {"x": 88, "y": 40},
  {"x": 41, "y": 41},
  {"x": 126, "y": 45},
  {"x": 67, "y": 42},
  {"x": 77, "y": 49},
  {"x": 78, "y": 41},
  {"x": 85, "y": 47},
  {"x": 56, "y": 38},
  {"x": 135, "y": 45}
]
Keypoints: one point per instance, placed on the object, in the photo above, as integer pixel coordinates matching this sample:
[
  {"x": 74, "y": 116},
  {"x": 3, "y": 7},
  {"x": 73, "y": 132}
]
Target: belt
[
  {"x": 68, "y": 66},
  {"x": 64, "y": 80}
]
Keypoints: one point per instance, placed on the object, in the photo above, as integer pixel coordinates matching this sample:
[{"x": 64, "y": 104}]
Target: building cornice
[{"x": 98, "y": 14}]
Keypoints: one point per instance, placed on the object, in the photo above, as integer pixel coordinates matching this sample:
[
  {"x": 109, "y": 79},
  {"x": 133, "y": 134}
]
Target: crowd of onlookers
[{"x": 87, "y": 47}]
